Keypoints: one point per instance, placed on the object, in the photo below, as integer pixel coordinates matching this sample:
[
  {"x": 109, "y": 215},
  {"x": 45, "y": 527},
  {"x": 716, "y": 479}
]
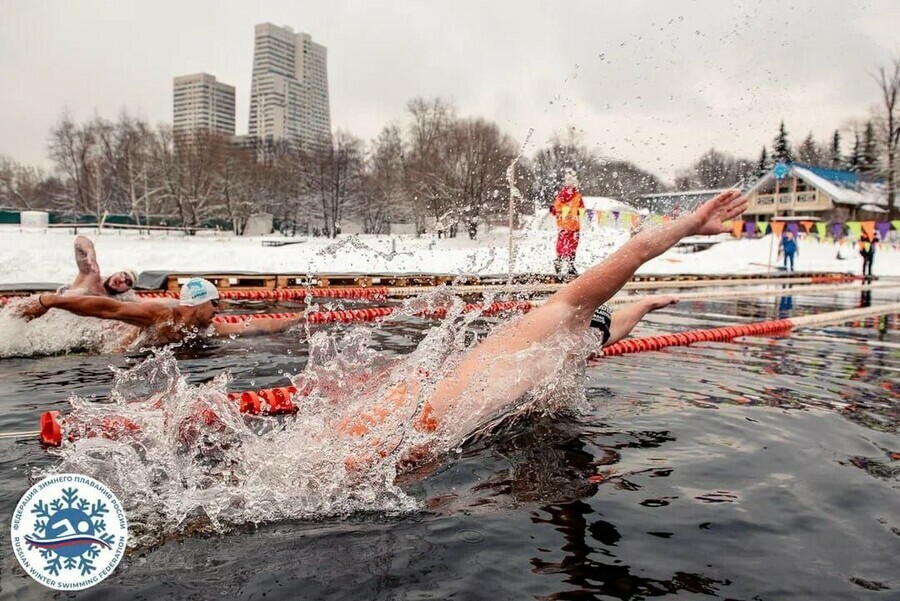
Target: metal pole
[
  {"x": 511, "y": 175},
  {"x": 774, "y": 217}
]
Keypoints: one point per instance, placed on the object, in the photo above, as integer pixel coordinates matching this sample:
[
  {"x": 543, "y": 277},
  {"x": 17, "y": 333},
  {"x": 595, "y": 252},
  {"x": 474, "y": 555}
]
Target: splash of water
[
  {"x": 55, "y": 333},
  {"x": 183, "y": 455}
]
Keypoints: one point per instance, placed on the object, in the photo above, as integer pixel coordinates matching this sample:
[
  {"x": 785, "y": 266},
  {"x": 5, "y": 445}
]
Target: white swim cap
[{"x": 197, "y": 291}]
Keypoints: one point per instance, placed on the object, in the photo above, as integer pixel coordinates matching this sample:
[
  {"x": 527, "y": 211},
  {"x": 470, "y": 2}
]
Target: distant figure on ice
[
  {"x": 567, "y": 207},
  {"x": 789, "y": 249},
  {"x": 867, "y": 252}
]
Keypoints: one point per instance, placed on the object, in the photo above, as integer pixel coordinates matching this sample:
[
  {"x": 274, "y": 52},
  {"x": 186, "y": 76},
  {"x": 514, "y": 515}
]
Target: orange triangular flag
[
  {"x": 777, "y": 227},
  {"x": 807, "y": 225},
  {"x": 869, "y": 228},
  {"x": 737, "y": 228}
]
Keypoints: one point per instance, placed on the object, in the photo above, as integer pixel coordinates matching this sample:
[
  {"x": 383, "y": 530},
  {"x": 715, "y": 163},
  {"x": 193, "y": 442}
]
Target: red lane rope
[
  {"x": 726, "y": 334},
  {"x": 373, "y": 291},
  {"x": 278, "y": 401},
  {"x": 372, "y": 313},
  {"x": 287, "y": 293},
  {"x": 266, "y": 401}
]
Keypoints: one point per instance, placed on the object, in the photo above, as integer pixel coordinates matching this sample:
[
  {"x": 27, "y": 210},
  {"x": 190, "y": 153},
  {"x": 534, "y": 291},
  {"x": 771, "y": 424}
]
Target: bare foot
[{"x": 660, "y": 301}]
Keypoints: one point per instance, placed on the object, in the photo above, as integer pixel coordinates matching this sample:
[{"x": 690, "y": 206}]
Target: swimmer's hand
[
  {"x": 710, "y": 217},
  {"x": 31, "y": 308}
]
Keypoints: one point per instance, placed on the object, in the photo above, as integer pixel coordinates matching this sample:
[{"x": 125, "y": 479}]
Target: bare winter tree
[
  {"x": 288, "y": 184},
  {"x": 714, "y": 170},
  {"x": 126, "y": 147},
  {"x": 241, "y": 181},
  {"x": 385, "y": 192},
  {"x": 75, "y": 152},
  {"x": 430, "y": 122},
  {"x": 560, "y": 155},
  {"x": 334, "y": 177},
  {"x": 190, "y": 166},
  {"x": 888, "y": 79},
  {"x": 473, "y": 172},
  {"x": 623, "y": 180},
  {"x": 21, "y": 186}
]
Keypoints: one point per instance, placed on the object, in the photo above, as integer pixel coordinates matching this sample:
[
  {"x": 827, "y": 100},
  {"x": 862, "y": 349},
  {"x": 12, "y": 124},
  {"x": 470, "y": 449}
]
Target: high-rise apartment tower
[
  {"x": 289, "y": 90},
  {"x": 202, "y": 103}
]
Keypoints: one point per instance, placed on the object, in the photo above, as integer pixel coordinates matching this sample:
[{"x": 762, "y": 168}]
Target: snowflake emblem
[{"x": 70, "y": 532}]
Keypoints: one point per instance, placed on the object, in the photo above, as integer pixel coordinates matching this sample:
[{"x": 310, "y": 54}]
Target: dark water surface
[{"x": 760, "y": 470}]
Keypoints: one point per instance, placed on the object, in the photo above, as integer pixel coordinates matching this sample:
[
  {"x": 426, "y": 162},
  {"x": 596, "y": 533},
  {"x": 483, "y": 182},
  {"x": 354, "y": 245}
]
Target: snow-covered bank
[{"x": 47, "y": 256}]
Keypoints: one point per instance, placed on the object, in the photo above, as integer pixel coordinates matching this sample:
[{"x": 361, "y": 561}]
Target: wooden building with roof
[{"x": 792, "y": 190}]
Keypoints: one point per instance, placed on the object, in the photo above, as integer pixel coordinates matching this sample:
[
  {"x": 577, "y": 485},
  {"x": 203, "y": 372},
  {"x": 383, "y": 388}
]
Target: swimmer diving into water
[{"x": 515, "y": 359}]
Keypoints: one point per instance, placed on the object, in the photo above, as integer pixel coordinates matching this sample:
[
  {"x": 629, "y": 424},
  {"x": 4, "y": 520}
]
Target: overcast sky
[{"x": 657, "y": 82}]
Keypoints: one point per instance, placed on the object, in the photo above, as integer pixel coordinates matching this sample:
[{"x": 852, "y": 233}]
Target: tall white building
[
  {"x": 289, "y": 90},
  {"x": 202, "y": 103}
]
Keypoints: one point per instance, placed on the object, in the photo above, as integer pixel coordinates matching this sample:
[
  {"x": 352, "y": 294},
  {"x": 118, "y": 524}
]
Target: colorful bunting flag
[
  {"x": 820, "y": 230},
  {"x": 855, "y": 228},
  {"x": 883, "y": 228},
  {"x": 777, "y": 227},
  {"x": 869, "y": 228}
]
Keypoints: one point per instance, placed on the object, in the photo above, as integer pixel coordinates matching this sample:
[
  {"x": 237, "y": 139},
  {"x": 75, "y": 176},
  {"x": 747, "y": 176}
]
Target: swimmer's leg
[{"x": 624, "y": 319}]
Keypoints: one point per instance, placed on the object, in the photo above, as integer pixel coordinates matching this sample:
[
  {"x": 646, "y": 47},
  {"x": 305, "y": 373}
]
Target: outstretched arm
[
  {"x": 136, "y": 314},
  {"x": 86, "y": 256},
  {"x": 601, "y": 282},
  {"x": 255, "y": 327}
]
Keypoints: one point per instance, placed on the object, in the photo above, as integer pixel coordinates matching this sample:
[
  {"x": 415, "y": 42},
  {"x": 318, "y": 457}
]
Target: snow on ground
[{"x": 33, "y": 256}]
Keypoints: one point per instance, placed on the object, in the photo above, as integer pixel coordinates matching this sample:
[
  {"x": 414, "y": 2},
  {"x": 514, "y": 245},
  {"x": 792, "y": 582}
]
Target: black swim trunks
[{"x": 601, "y": 319}]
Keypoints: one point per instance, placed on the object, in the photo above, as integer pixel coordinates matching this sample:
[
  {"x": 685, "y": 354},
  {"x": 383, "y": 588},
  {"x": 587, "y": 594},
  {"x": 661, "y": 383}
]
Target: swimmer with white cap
[{"x": 160, "y": 323}]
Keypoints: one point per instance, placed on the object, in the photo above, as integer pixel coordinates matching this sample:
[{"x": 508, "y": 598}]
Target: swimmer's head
[
  {"x": 119, "y": 282},
  {"x": 789, "y": 234},
  {"x": 196, "y": 292}
]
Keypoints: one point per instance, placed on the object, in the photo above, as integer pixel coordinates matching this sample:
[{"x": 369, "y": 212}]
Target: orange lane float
[
  {"x": 373, "y": 313},
  {"x": 275, "y": 401},
  {"x": 288, "y": 293},
  {"x": 268, "y": 401},
  {"x": 726, "y": 334}
]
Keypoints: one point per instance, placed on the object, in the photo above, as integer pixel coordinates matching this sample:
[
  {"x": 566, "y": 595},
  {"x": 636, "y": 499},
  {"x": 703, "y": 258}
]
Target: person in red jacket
[{"x": 567, "y": 208}]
